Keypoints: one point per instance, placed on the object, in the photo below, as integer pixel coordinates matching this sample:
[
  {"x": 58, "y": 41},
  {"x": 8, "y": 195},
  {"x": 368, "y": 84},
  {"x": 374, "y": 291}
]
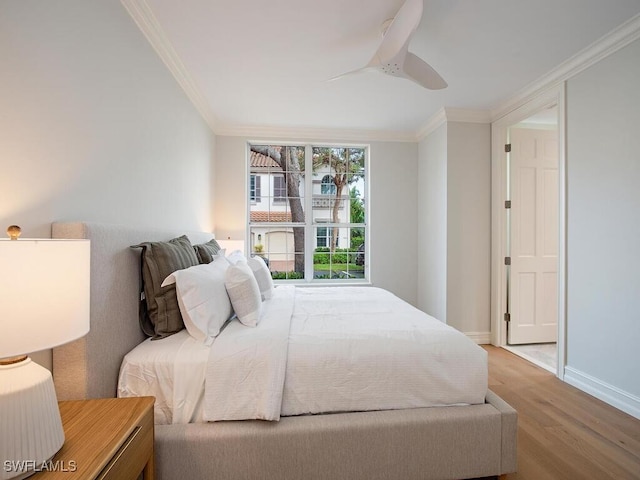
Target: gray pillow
[
  {"x": 159, "y": 310},
  {"x": 206, "y": 251}
]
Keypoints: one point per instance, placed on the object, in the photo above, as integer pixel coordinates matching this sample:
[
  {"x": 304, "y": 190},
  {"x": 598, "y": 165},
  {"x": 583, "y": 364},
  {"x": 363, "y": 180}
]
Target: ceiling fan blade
[
  {"x": 422, "y": 73},
  {"x": 352, "y": 72},
  {"x": 400, "y": 30}
]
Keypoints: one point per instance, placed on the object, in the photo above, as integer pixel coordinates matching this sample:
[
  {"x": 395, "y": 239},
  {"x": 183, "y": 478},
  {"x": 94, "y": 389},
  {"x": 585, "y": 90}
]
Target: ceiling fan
[{"x": 393, "y": 56}]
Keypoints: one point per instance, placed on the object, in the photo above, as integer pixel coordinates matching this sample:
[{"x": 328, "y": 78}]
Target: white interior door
[{"x": 533, "y": 236}]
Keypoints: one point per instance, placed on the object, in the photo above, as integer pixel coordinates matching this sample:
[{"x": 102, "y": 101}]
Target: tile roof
[
  {"x": 258, "y": 216},
  {"x": 259, "y": 160}
]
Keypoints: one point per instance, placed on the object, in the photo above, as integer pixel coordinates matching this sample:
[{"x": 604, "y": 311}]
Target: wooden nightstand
[{"x": 110, "y": 438}]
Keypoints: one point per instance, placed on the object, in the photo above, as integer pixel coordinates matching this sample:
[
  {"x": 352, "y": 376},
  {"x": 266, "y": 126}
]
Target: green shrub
[
  {"x": 287, "y": 275},
  {"x": 320, "y": 258},
  {"x": 339, "y": 257}
]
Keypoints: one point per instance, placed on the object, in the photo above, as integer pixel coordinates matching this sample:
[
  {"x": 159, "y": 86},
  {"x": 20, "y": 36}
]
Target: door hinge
[
  {"x": 507, "y": 204},
  {"x": 507, "y": 147},
  {"x": 507, "y": 260},
  {"x": 507, "y": 317}
]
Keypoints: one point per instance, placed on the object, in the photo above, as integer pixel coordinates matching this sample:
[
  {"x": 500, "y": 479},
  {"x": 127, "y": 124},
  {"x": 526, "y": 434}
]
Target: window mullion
[{"x": 309, "y": 238}]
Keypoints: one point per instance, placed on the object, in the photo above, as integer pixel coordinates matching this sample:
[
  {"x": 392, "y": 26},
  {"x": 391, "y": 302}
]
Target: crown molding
[
  {"x": 148, "y": 24},
  {"x": 313, "y": 133},
  {"x": 447, "y": 114},
  {"x": 611, "y": 42},
  {"x": 467, "y": 116},
  {"x": 437, "y": 119}
]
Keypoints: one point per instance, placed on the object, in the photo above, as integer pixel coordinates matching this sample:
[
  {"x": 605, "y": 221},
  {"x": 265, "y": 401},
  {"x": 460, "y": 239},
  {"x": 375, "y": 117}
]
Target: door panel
[
  {"x": 550, "y": 214},
  {"x": 534, "y": 236},
  {"x": 526, "y": 226}
]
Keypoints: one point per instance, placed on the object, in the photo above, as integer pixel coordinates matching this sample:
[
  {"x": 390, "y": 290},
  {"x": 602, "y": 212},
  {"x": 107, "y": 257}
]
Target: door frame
[{"x": 554, "y": 96}]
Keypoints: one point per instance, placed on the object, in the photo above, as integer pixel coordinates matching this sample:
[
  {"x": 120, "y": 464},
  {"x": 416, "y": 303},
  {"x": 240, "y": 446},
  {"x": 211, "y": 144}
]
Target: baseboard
[
  {"x": 614, "y": 396},
  {"x": 481, "y": 338}
]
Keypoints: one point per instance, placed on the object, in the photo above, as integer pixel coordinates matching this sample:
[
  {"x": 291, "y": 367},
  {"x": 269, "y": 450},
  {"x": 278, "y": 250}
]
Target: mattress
[{"x": 316, "y": 350}]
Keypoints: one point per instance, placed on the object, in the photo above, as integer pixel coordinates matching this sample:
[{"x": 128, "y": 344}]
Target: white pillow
[
  {"x": 233, "y": 258},
  {"x": 263, "y": 276},
  {"x": 244, "y": 293},
  {"x": 202, "y": 298}
]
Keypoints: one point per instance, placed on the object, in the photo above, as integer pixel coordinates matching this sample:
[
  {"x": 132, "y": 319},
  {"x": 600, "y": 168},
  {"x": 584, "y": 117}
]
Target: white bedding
[
  {"x": 319, "y": 349},
  {"x": 172, "y": 370},
  {"x": 362, "y": 348}
]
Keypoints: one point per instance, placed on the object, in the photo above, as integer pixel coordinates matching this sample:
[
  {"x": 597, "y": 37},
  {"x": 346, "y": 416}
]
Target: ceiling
[{"x": 253, "y": 64}]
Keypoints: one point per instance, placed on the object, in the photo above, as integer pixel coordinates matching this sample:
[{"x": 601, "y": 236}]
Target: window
[
  {"x": 323, "y": 236},
  {"x": 254, "y": 188},
  {"x": 279, "y": 189},
  {"x": 314, "y": 227},
  {"x": 327, "y": 187}
]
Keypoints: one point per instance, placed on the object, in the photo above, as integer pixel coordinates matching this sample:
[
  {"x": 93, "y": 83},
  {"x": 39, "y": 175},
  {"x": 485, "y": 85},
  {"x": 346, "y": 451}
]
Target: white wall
[
  {"x": 603, "y": 227},
  {"x": 394, "y": 212},
  {"x": 393, "y": 204},
  {"x": 454, "y": 226},
  {"x": 93, "y": 126},
  {"x": 231, "y": 184},
  {"x": 432, "y": 224},
  {"x": 469, "y": 227}
]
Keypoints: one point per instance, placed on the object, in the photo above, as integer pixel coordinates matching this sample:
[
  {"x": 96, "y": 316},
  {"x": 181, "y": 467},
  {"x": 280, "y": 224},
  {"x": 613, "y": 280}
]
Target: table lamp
[
  {"x": 44, "y": 302},
  {"x": 231, "y": 245}
]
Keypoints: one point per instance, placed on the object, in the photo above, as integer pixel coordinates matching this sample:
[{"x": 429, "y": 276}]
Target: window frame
[{"x": 310, "y": 225}]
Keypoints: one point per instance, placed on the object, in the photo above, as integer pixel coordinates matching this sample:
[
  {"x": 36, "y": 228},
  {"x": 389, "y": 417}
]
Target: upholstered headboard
[{"x": 89, "y": 367}]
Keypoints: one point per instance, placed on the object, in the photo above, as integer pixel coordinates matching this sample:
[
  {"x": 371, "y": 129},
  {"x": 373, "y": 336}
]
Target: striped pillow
[
  {"x": 206, "y": 251},
  {"x": 159, "y": 312}
]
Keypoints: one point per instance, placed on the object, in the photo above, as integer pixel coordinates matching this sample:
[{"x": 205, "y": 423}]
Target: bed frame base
[{"x": 424, "y": 443}]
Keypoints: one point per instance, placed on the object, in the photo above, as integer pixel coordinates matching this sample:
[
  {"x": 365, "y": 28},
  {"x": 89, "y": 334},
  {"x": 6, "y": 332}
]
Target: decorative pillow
[
  {"x": 206, "y": 251},
  {"x": 235, "y": 257},
  {"x": 244, "y": 293},
  {"x": 203, "y": 299},
  {"x": 263, "y": 276},
  {"x": 159, "y": 310}
]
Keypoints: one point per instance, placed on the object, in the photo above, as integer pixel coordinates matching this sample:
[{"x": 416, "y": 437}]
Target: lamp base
[{"x": 31, "y": 425}]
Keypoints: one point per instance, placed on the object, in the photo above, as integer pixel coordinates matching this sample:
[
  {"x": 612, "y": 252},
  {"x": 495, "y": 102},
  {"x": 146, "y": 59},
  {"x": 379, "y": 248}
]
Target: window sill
[{"x": 325, "y": 283}]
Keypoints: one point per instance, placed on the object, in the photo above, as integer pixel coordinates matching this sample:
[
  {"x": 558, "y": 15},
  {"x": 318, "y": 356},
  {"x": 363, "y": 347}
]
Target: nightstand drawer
[
  {"x": 108, "y": 439},
  {"x": 133, "y": 454}
]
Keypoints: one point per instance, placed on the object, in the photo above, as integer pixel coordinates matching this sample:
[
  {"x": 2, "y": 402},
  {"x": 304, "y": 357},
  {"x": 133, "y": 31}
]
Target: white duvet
[
  {"x": 323, "y": 349},
  {"x": 345, "y": 349}
]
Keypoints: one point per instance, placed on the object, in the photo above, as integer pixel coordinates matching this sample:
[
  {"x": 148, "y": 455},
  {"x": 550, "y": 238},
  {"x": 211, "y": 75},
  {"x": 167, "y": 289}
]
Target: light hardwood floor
[{"x": 563, "y": 433}]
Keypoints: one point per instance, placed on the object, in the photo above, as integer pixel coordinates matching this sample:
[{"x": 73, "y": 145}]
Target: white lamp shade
[
  {"x": 44, "y": 294},
  {"x": 232, "y": 245}
]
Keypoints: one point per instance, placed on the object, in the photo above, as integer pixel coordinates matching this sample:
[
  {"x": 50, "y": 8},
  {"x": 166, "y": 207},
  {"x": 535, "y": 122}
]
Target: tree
[
  {"x": 357, "y": 216},
  {"x": 288, "y": 158},
  {"x": 346, "y": 165},
  {"x": 357, "y": 206}
]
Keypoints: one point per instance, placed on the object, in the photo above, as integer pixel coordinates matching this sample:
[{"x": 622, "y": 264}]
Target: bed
[{"x": 452, "y": 442}]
